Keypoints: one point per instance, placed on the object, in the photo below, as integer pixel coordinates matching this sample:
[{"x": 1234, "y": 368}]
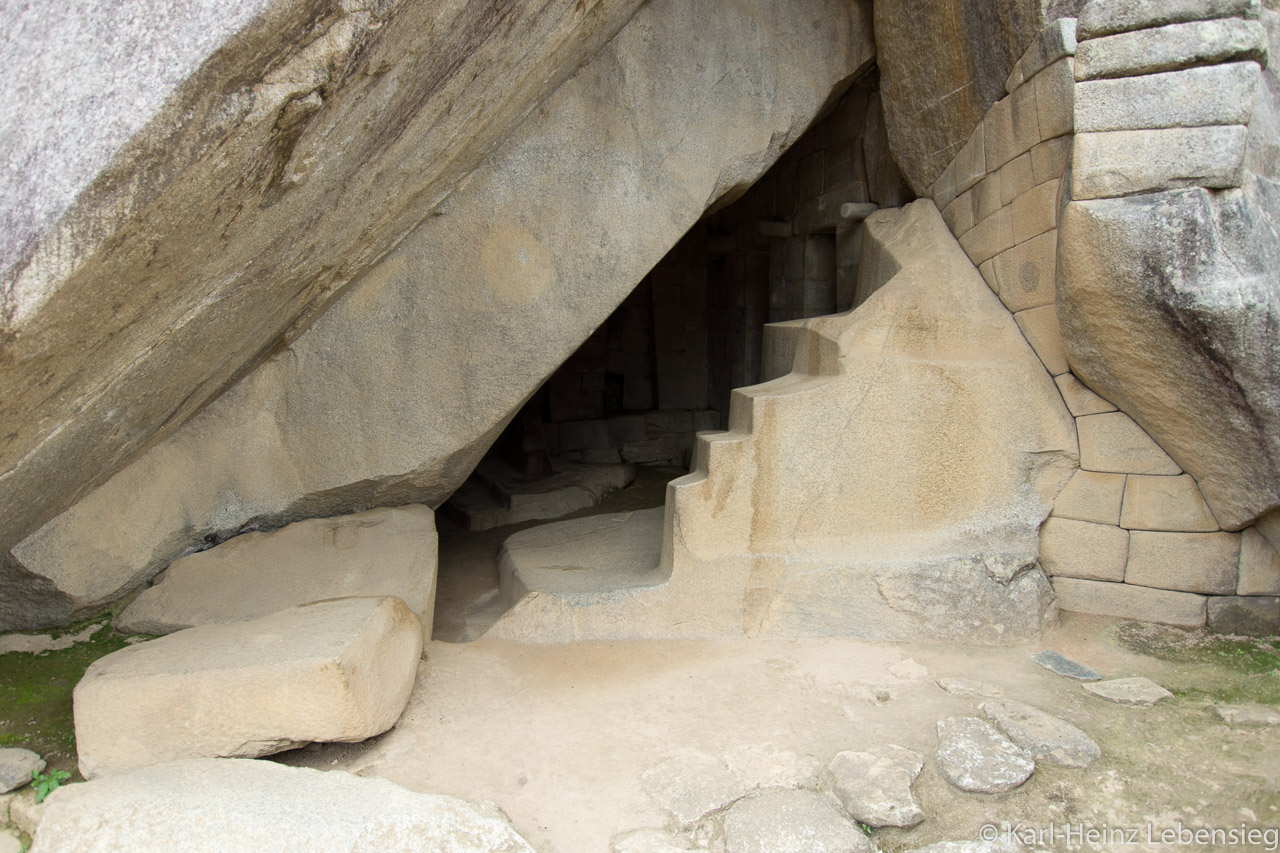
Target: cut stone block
[
  {"x": 1035, "y": 211},
  {"x": 1091, "y": 496},
  {"x": 1026, "y": 273},
  {"x": 1166, "y": 503},
  {"x": 973, "y": 756},
  {"x": 1055, "y": 99},
  {"x": 1040, "y": 327},
  {"x": 1104, "y": 17},
  {"x": 1125, "y": 601},
  {"x": 1172, "y": 47},
  {"x": 389, "y": 551},
  {"x": 986, "y": 197},
  {"x": 1081, "y": 549},
  {"x": 1052, "y": 43},
  {"x": 875, "y": 787},
  {"x": 1080, "y": 400},
  {"x": 1012, "y": 127},
  {"x": 1049, "y": 159},
  {"x": 1191, "y": 562},
  {"x": 337, "y": 670},
  {"x": 971, "y": 162},
  {"x": 959, "y": 214},
  {"x": 496, "y": 495},
  {"x": 1113, "y": 443},
  {"x": 1015, "y": 179},
  {"x": 1125, "y": 162},
  {"x": 1128, "y": 691},
  {"x": 990, "y": 236},
  {"x": 1259, "y": 565},
  {"x": 1249, "y": 616},
  {"x": 1194, "y": 97},
  {"x": 1045, "y": 736},
  {"x": 230, "y": 806}
]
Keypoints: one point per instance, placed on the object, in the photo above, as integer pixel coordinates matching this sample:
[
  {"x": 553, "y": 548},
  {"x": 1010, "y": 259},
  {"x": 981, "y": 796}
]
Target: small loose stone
[
  {"x": 1129, "y": 691},
  {"x": 1055, "y": 662}
]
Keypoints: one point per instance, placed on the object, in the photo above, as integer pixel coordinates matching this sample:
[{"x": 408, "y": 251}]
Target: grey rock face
[
  {"x": 1103, "y": 17},
  {"x": 1169, "y": 305},
  {"x": 791, "y": 822},
  {"x": 1043, "y": 735},
  {"x": 16, "y": 766},
  {"x": 1129, "y": 691},
  {"x": 1250, "y": 616},
  {"x": 1054, "y": 662},
  {"x": 973, "y": 756},
  {"x": 232, "y": 805},
  {"x": 875, "y": 787}
]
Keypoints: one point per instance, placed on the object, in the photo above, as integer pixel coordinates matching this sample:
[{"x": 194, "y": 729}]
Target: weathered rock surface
[
  {"x": 649, "y": 841},
  {"x": 379, "y": 552},
  {"x": 396, "y": 391},
  {"x": 236, "y": 805},
  {"x": 1250, "y": 616},
  {"x": 1171, "y": 47},
  {"x": 1129, "y": 691},
  {"x": 331, "y": 671},
  {"x": 186, "y": 185},
  {"x": 966, "y": 687},
  {"x": 1248, "y": 716},
  {"x": 973, "y": 756},
  {"x": 875, "y": 787},
  {"x": 1169, "y": 304},
  {"x": 690, "y": 785},
  {"x": 791, "y": 822},
  {"x": 1045, "y": 736},
  {"x": 1104, "y": 17},
  {"x": 16, "y": 766}
]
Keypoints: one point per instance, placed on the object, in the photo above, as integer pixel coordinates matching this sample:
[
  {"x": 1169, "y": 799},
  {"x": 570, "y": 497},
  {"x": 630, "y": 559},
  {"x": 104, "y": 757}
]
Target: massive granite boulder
[
  {"x": 393, "y": 394},
  {"x": 186, "y": 186},
  {"x": 943, "y": 64}
]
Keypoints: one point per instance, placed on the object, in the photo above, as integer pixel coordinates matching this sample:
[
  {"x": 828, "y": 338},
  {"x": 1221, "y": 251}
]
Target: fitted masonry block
[
  {"x": 1040, "y": 327},
  {"x": 1026, "y": 273},
  {"x": 1190, "y": 562},
  {"x": 1166, "y": 503},
  {"x": 1080, "y": 400},
  {"x": 1124, "y": 162},
  {"x": 1171, "y": 47},
  {"x": 1259, "y": 565},
  {"x": 1035, "y": 211},
  {"x": 989, "y": 237},
  {"x": 1055, "y": 99},
  {"x": 1125, "y": 601},
  {"x": 1112, "y": 442},
  {"x": 1194, "y": 97},
  {"x": 1081, "y": 549},
  {"x": 1091, "y": 496}
]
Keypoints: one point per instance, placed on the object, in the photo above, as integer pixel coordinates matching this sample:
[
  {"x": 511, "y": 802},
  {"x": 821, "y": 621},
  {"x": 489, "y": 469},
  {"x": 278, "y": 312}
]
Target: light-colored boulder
[
  {"x": 1259, "y": 565},
  {"x": 1112, "y": 443},
  {"x": 1045, "y": 736},
  {"x": 16, "y": 767},
  {"x": 1194, "y": 97},
  {"x": 229, "y": 806},
  {"x": 1172, "y": 47},
  {"x": 188, "y": 186},
  {"x": 1165, "y": 503},
  {"x": 791, "y": 822},
  {"x": 840, "y": 504},
  {"x": 1136, "y": 690},
  {"x": 379, "y": 552},
  {"x": 1191, "y": 562},
  {"x": 336, "y": 670},
  {"x": 1090, "y": 496},
  {"x": 875, "y": 786},
  {"x": 1168, "y": 304},
  {"x": 1126, "y": 601},
  {"x": 393, "y": 395},
  {"x": 1103, "y": 17},
  {"x": 1125, "y": 162},
  {"x": 975, "y": 757},
  {"x": 1082, "y": 549}
]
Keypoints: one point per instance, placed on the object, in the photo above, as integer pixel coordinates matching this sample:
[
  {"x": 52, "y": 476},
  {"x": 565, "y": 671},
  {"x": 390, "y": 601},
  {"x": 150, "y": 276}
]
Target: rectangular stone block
[
  {"x": 1040, "y": 327},
  {"x": 1015, "y": 178},
  {"x": 1252, "y": 616},
  {"x": 1035, "y": 211},
  {"x": 1052, "y": 43},
  {"x": 986, "y": 197},
  {"x": 1027, "y": 273},
  {"x": 1194, "y": 97},
  {"x": 962, "y": 218},
  {"x": 1079, "y": 399},
  {"x": 989, "y": 237},
  {"x": 1172, "y": 47},
  {"x": 1123, "y": 601},
  {"x": 1055, "y": 89},
  {"x": 1189, "y": 562},
  {"x": 988, "y": 270},
  {"x": 1166, "y": 503},
  {"x": 1012, "y": 127},
  {"x": 1113, "y": 443},
  {"x": 1049, "y": 159},
  {"x": 1081, "y": 549},
  {"x": 1092, "y": 496},
  {"x": 1119, "y": 16},
  {"x": 971, "y": 162},
  {"x": 1259, "y": 565},
  {"x": 1124, "y": 162},
  {"x": 944, "y": 189}
]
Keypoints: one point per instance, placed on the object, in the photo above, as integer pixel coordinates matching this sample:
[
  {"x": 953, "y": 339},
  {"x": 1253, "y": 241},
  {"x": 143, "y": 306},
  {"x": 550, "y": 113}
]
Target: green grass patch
[{"x": 1211, "y": 667}]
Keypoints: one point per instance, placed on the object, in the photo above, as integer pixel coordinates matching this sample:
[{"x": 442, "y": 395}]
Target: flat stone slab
[
  {"x": 649, "y": 841},
  {"x": 230, "y": 806},
  {"x": 16, "y": 766},
  {"x": 1129, "y": 691},
  {"x": 37, "y": 643},
  {"x": 690, "y": 785},
  {"x": 973, "y": 756},
  {"x": 495, "y": 495},
  {"x": 1043, "y": 735},
  {"x": 791, "y": 822},
  {"x": 1248, "y": 716},
  {"x": 966, "y": 687},
  {"x": 336, "y": 670},
  {"x": 388, "y": 551},
  {"x": 1055, "y": 662},
  {"x": 875, "y": 786}
]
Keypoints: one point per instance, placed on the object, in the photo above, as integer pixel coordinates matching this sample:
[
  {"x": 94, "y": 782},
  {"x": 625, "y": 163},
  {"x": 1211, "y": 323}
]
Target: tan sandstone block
[
  {"x": 1055, "y": 99},
  {"x": 1016, "y": 178},
  {"x": 1123, "y": 162},
  {"x": 986, "y": 197},
  {"x": 1091, "y": 496},
  {"x": 959, "y": 214},
  {"x": 1259, "y": 565},
  {"x": 1012, "y": 127},
  {"x": 1035, "y": 211},
  {"x": 1124, "y": 601},
  {"x": 1049, "y": 158},
  {"x": 1166, "y": 503},
  {"x": 1081, "y": 549},
  {"x": 1190, "y": 562},
  {"x": 1113, "y": 442},
  {"x": 1080, "y": 400},
  {"x": 1026, "y": 273},
  {"x": 989, "y": 237},
  {"x": 988, "y": 270},
  {"x": 971, "y": 162},
  {"x": 1040, "y": 327}
]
